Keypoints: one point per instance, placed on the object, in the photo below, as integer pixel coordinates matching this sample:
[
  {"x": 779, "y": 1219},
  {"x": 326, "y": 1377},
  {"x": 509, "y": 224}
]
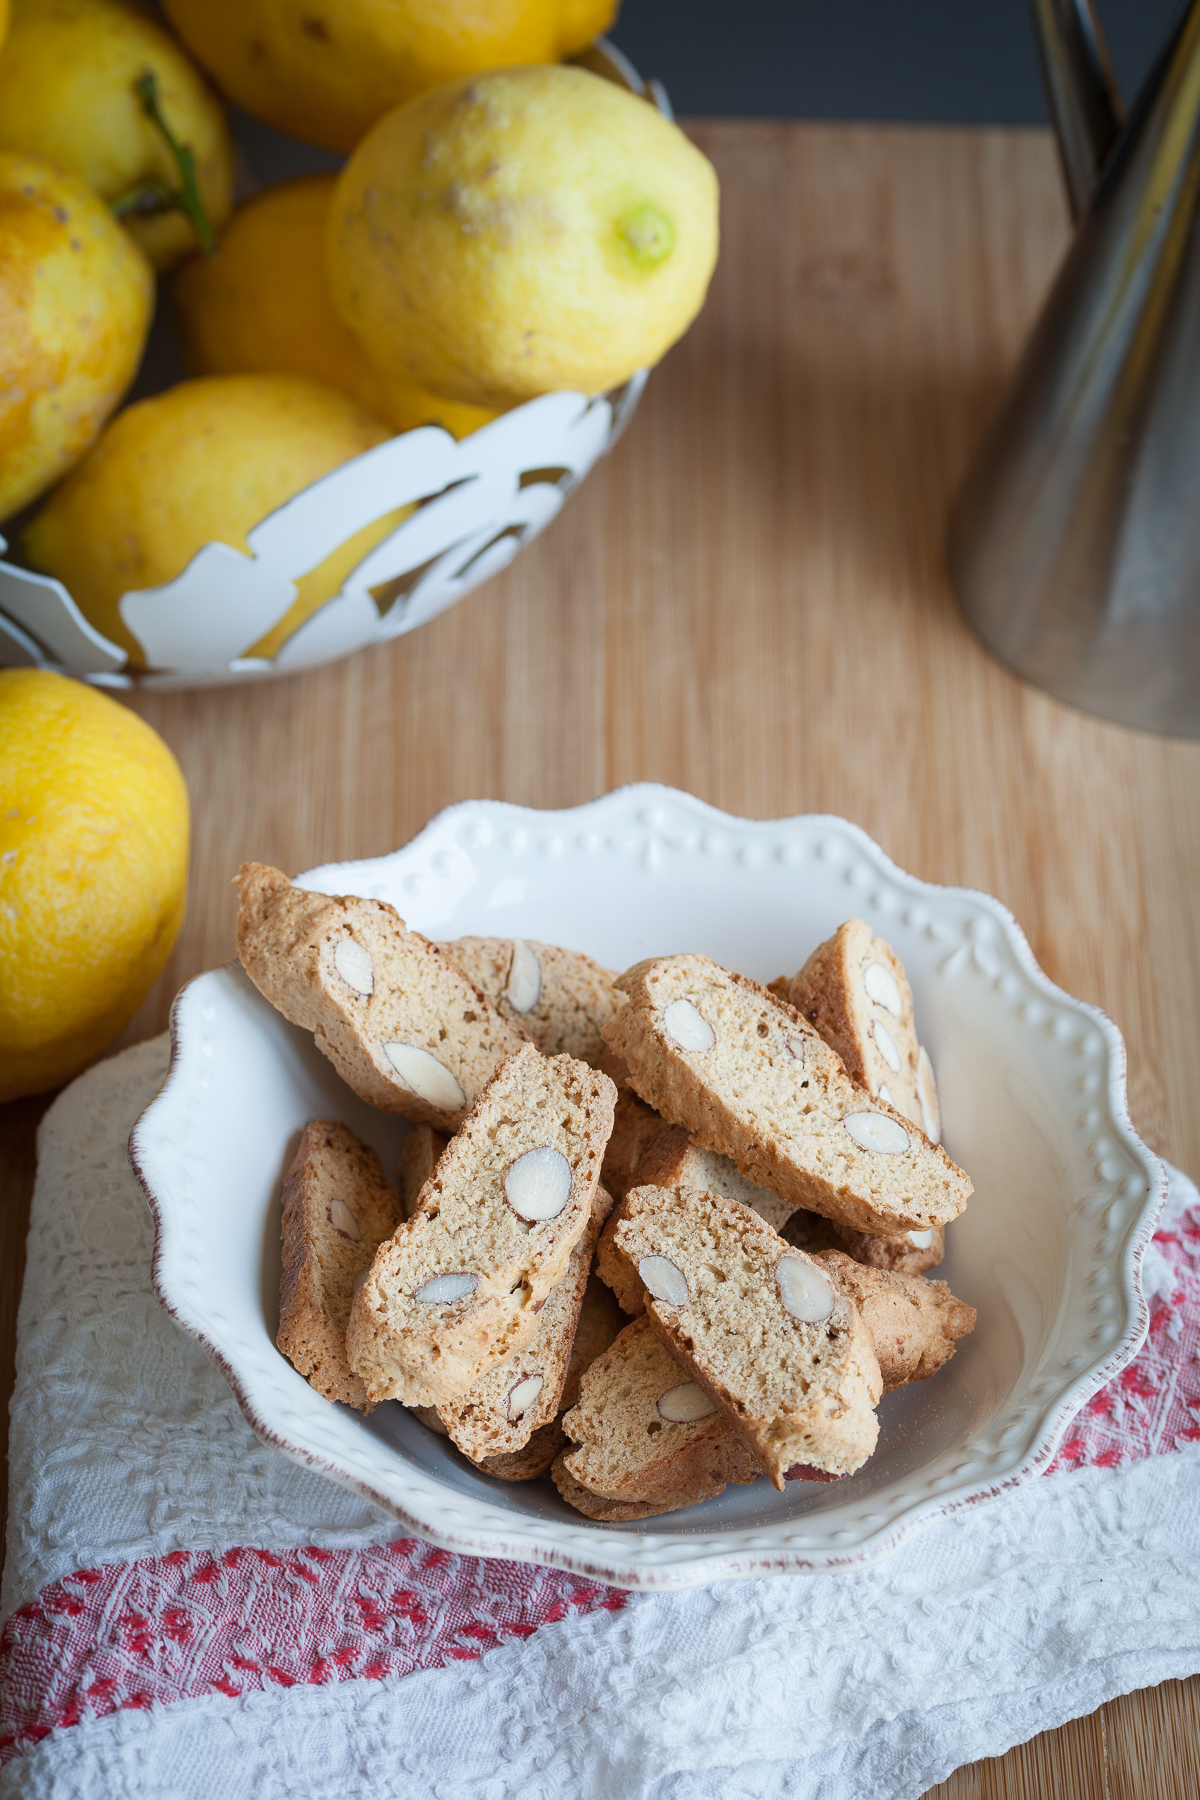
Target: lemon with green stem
[{"x": 100, "y": 88}]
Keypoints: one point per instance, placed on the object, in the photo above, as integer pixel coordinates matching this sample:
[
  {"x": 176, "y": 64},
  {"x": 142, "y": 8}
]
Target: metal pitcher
[{"x": 1075, "y": 542}]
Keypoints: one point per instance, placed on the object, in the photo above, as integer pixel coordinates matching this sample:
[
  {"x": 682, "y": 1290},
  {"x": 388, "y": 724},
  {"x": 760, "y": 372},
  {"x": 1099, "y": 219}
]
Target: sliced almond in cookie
[
  {"x": 561, "y": 997},
  {"x": 500, "y": 1412},
  {"x": 337, "y": 1210},
  {"x": 761, "y": 1327},
  {"x": 913, "y": 1323},
  {"x": 771, "y": 1095},
  {"x": 401, "y": 1025},
  {"x": 646, "y": 1433},
  {"x": 461, "y": 1284}
]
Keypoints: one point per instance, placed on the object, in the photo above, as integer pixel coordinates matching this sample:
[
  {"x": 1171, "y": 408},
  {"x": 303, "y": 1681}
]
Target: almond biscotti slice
[
  {"x": 619, "y": 1512},
  {"x": 914, "y": 1323},
  {"x": 670, "y": 1159},
  {"x": 400, "y": 1024},
  {"x": 645, "y": 1432},
  {"x": 561, "y": 997},
  {"x": 337, "y": 1210},
  {"x": 909, "y": 1252},
  {"x": 854, "y": 991},
  {"x": 459, "y": 1286},
  {"x": 760, "y": 1326},
  {"x": 531, "y": 1460},
  {"x": 750, "y": 1078},
  {"x": 502, "y": 1410},
  {"x": 416, "y": 1162}
]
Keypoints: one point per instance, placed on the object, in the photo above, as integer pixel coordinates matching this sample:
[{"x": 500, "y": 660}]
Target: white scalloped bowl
[{"x": 1033, "y": 1093}]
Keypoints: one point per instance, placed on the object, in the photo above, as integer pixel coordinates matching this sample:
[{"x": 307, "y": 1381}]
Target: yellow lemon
[
  {"x": 3, "y": 21},
  {"x": 76, "y": 298},
  {"x": 325, "y": 70},
  {"x": 527, "y": 230},
  {"x": 206, "y": 461},
  {"x": 93, "y": 867},
  {"x": 263, "y": 304},
  {"x": 68, "y": 92}
]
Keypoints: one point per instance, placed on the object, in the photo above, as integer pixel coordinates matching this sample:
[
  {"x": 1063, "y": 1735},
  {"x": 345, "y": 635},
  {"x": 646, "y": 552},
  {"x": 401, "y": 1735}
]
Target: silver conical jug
[{"x": 1074, "y": 544}]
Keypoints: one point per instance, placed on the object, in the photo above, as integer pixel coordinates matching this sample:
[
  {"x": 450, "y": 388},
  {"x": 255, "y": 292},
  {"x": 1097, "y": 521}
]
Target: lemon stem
[{"x": 158, "y": 196}]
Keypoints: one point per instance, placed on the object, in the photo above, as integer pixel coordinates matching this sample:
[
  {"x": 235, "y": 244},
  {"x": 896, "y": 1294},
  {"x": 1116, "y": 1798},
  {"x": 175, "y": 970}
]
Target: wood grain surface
[{"x": 747, "y": 599}]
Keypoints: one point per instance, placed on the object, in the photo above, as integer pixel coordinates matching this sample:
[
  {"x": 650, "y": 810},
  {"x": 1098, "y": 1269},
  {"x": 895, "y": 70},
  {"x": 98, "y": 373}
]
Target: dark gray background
[{"x": 944, "y": 61}]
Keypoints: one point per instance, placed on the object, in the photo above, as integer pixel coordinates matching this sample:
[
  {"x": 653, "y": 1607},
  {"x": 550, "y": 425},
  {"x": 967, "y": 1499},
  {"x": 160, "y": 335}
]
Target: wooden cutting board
[{"x": 747, "y": 599}]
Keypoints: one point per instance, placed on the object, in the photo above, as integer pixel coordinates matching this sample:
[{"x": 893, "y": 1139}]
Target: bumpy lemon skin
[
  {"x": 93, "y": 873},
  {"x": 67, "y": 93},
  {"x": 263, "y": 304},
  {"x": 325, "y": 70},
  {"x": 520, "y": 232},
  {"x": 76, "y": 299},
  {"x": 205, "y": 461}
]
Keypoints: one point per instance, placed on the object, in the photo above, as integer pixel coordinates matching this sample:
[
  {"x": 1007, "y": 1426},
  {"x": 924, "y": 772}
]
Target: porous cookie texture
[
  {"x": 749, "y": 1077},
  {"x": 501, "y": 1411},
  {"x": 400, "y": 1024},
  {"x": 417, "y": 1160},
  {"x": 337, "y": 1210},
  {"x": 760, "y": 1326},
  {"x": 561, "y": 997},
  {"x": 459, "y": 1286},
  {"x": 914, "y": 1323},
  {"x": 854, "y": 991},
  {"x": 908, "y": 1252},
  {"x": 670, "y": 1159},
  {"x": 646, "y": 1432}
]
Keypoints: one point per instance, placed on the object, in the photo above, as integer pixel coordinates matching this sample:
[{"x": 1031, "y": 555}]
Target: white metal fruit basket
[{"x": 474, "y": 504}]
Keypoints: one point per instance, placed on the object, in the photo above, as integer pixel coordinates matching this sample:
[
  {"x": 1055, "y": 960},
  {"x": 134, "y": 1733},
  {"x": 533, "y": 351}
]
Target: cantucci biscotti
[
  {"x": 337, "y": 1210},
  {"x": 502, "y": 1410},
  {"x": 644, "y": 1431},
  {"x": 914, "y": 1323},
  {"x": 561, "y": 997},
  {"x": 401, "y": 1025},
  {"x": 854, "y": 991},
  {"x": 620, "y": 1512},
  {"x": 459, "y": 1286},
  {"x": 760, "y": 1326},
  {"x": 416, "y": 1162},
  {"x": 671, "y": 1159},
  {"x": 908, "y": 1252},
  {"x": 748, "y": 1077}
]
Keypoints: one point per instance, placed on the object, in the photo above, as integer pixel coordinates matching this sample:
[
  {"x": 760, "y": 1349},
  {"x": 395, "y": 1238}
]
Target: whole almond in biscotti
[
  {"x": 909, "y": 1252},
  {"x": 854, "y": 991},
  {"x": 416, "y": 1162},
  {"x": 337, "y": 1210},
  {"x": 561, "y": 997},
  {"x": 400, "y": 1024},
  {"x": 460, "y": 1285},
  {"x": 671, "y": 1159},
  {"x": 750, "y": 1078},
  {"x": 913, "y": 1323},
  {"x": 644, "y": 1431},
  {"x": 500, "y": 1412},
  {"x": 760, "y": 1326}
]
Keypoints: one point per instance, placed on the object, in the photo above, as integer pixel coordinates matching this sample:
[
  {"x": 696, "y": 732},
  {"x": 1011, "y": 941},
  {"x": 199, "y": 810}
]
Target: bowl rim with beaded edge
[{"x": 1049, "y": 1249}]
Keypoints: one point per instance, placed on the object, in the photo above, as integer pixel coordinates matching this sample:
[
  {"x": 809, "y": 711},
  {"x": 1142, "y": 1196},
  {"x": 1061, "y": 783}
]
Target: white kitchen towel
[{"x": 190, "y": 1614}]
